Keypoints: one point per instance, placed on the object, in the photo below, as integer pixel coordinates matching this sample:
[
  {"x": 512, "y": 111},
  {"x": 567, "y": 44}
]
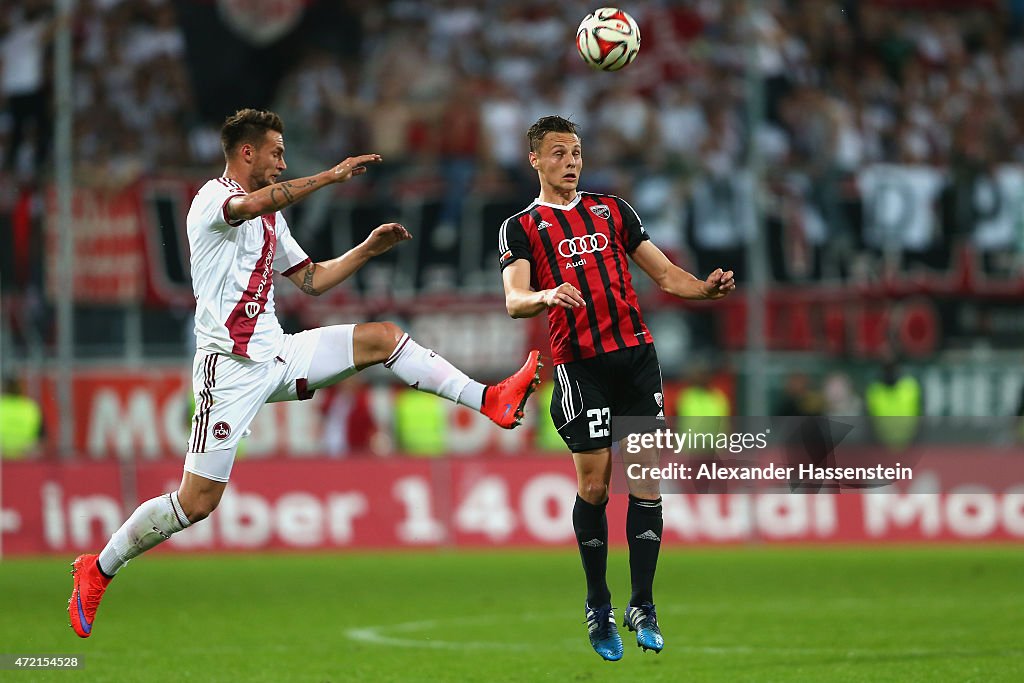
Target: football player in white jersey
[{"x": 238, "y": 239}]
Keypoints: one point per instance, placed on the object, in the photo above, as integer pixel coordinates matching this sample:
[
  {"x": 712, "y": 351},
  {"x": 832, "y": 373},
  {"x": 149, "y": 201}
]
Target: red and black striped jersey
[{"x": 584, "y": 243}]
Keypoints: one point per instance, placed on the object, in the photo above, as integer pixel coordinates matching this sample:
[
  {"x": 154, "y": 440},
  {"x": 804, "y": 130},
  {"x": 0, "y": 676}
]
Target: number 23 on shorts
[{"x": 598, "y": 419}]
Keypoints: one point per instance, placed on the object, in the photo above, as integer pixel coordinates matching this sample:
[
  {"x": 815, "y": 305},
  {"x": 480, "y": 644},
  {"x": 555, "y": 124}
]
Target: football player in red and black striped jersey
[{"x": 566, "y": 255}]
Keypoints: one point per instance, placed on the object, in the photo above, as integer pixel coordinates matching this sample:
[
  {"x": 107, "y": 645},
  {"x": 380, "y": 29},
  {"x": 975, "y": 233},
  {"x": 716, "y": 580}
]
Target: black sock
[
  {"x": 643, "y": 531},
  {"x": 591, "y": 526},
  {"x": 100, "y": 568}
]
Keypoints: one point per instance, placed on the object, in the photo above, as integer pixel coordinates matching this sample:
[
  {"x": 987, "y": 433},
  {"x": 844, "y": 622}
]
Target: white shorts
[{"x": 229, "y": 391}]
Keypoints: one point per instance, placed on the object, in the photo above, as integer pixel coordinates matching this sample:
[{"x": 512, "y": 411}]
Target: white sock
[
  {"x": 427, "y": 371},
  {"x": 152, "y": 523}
]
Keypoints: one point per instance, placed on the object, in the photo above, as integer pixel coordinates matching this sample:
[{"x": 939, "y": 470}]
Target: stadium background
[{"x": 858, "y": 164}]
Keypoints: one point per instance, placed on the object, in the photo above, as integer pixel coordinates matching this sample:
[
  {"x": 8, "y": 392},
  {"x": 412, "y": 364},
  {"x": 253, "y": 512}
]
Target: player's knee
[
  {"x": 385, "y": 340},
  {"x": 375, "y": 342},
  {"x": 594, "y": 492},
  {"x": 390, "y": 335},
  {"x": 649, "y": 491},
  {"x": 199, "y": 508}
]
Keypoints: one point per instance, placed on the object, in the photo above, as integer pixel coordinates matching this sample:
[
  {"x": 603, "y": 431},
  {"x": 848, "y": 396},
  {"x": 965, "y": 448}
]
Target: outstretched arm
[
  {"x": 279, "y": 195},
  {"x": 522, "y": 302},
  {"x": 317, "y": 278},
  {"x": 676, "y": 281}
]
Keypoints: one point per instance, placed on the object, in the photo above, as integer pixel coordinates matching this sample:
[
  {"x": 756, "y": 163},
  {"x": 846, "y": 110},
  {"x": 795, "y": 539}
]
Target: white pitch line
[
  {"x": 392, "y": 636},
  {"x": 385, "y": 635}
]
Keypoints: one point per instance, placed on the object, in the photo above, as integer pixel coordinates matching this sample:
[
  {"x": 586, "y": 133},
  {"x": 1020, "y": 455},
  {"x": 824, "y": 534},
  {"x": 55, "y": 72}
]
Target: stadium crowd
[{"x": 444, "y": 89}]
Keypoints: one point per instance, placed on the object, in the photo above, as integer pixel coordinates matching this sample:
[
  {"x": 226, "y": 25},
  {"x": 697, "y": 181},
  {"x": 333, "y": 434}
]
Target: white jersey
[{"x": 233, "y": 264}]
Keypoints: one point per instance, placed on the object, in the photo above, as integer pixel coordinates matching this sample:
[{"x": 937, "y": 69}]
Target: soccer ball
[{"x": 608, "y": 39}]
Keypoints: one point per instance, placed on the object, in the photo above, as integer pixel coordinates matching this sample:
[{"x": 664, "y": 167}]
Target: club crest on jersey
[
  {"x": 659, "y": 399},
  {"x": 221, "y": 431},
  {"x": 601, "y": 211},
  {"x": 252, "y": 308}
]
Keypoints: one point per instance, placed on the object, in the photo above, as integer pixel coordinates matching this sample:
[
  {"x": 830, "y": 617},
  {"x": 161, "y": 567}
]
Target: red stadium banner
[
  {"x": 109, "y": 251},
  {"x": 125, "y": 413},
  {"x": 491, "y": 502},
  {"x": 145, "y": 413}
]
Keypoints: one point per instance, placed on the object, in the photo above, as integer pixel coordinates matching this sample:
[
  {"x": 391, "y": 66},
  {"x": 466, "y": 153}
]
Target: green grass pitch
[{"x": 949, "y": 613}]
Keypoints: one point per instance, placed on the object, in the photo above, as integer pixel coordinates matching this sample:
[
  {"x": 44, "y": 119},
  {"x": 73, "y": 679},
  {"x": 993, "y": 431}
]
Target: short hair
[
  {"x": 248, "y": 126},
  {"x": 548, "y": 124}
]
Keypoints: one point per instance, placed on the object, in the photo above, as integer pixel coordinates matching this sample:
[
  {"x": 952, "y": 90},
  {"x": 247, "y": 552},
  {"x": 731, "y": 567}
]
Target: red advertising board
[
  {"x": 109, "y": 252},
  {"x": 479, "y": 502},
  {"x": 52, "y": 508},
  {"x": 125, "y": 412}
]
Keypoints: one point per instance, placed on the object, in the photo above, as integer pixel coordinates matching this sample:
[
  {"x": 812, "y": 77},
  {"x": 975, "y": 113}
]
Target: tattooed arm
[
  {"x": 279, "y": 195},
  {"x": 317, "y": 278}
]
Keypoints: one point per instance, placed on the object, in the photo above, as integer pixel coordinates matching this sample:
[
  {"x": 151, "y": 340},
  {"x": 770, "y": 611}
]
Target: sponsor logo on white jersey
[{"x": 268, "y": 267}]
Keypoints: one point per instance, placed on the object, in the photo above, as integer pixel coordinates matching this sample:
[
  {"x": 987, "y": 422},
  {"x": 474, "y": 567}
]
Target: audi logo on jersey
[{"x": 587, "y": 244}]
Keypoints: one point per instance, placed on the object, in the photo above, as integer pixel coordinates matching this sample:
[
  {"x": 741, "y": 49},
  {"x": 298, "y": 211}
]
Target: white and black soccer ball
[{"x": 608, "y": 39}]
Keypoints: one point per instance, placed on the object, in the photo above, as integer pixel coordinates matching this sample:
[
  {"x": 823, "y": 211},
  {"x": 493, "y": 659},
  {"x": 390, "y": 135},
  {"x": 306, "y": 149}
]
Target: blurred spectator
[
  {"x": 421, "y": 426},
  {"x": 500, "y": 112},
  {"x": 840, "y": 396},
  {"x": 546, "y": 435},
  {"x": 323, "y": 122},
  {"x": 625, "y": 121},
  {"x": 26, "y": 32},
  {"x": 21, "y": 421},
  {"x": 1018, "y": 436},
  {"x": 799, "y": 398},
  {"x": 703, "y": 407},
  {"x": 349, "y": 425},
  {"x": 894, "y": 404},
  {"x": 681, "y": 123},
  {"x": 457, "y": 132}
]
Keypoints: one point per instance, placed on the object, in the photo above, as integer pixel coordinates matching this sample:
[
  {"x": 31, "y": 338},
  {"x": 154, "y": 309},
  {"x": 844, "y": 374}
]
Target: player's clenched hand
[
  {"x": 564, "y": 295},
  {"x": 384, "y": 237},
  {"x": 353, "y": 166},
  {"x": 719, "y": 284}
]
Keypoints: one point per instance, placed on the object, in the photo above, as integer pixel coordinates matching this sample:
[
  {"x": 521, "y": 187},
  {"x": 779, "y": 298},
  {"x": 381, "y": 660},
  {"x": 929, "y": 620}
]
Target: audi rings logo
[{"x": 588, "y": 244}]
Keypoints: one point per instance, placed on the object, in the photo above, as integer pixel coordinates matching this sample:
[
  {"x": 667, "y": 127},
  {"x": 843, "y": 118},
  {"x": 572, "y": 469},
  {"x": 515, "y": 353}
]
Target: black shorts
[{"x": 589, "y": 393}]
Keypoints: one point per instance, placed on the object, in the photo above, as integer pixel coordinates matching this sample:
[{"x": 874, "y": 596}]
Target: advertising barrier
[{"x": 523, "y": 500}]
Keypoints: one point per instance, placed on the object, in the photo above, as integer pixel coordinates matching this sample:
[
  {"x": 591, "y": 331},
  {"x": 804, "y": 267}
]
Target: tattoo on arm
[
  {"x": 277, "y": 201},
  {"x": 307, "y": 281},
  {"x": 285, "y": 189}
]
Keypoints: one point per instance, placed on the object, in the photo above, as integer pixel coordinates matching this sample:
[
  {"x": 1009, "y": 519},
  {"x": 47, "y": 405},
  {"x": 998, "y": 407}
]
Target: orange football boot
[
  {"x": 504, "y": 401},
  {"x": 89, "y": 585}
]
